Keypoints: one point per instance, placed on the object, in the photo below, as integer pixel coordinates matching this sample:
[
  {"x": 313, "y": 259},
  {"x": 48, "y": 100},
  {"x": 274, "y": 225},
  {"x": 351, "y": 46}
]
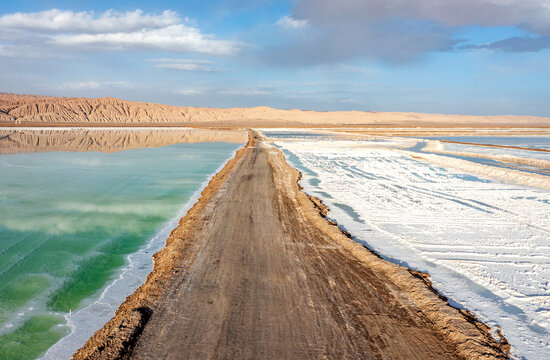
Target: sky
[{"x": 479, "y": 57}]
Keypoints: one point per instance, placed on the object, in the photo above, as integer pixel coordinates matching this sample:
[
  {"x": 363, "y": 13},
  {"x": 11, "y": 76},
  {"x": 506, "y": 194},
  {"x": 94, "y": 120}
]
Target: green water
[{"x": 68, "y": 220}]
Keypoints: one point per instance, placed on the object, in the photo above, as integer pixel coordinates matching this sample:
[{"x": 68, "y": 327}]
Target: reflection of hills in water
[{"x": 23, "y": 141}]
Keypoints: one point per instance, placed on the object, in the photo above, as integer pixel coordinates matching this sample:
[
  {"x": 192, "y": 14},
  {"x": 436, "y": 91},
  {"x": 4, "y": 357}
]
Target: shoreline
[
  {"x": 367, "y": 128},
  {"x": 116, "y": 291},
  {"x": 132, "y": 315},
  {"x": 469, "y": 336},
  {"x": 358, "y": 249},
  {"x": 497, "y": 146},
  {"x": 384, "y": 201}
]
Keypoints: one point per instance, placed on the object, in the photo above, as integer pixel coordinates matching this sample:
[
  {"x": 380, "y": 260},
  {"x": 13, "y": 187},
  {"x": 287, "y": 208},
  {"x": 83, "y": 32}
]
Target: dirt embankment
[
  {"x": 254, "y": 270},
  {"x": 117, "y": 337}
]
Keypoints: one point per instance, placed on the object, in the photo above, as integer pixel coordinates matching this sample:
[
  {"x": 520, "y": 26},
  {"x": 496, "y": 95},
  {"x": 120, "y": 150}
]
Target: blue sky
[{"x": 454, "y": 56}]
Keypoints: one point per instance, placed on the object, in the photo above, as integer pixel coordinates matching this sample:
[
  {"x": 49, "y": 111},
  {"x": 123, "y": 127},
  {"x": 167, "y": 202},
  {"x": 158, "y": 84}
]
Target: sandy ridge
[{"x": 21, "y": 109}]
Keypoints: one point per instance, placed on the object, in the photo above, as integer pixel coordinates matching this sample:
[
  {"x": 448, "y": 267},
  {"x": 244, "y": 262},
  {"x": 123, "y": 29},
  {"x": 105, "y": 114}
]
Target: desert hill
[{"x": 30, "y": 109}]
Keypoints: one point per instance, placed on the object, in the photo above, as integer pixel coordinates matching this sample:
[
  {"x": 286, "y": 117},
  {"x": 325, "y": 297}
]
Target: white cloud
[
  {"x": 348, "y": 101},
  {"x": 4, "y": 52},
  {"x": 188, "y": 92},
  {"x": 94, "y": 85},
  {"x": 27, "y": 51},
  {"x": 288, "y": 22},
  {"x": 401, "y": 31},
  {"x": 56, "y": 20},
  {"x": 254, "y": 91},
  {"x": 110, "y": 31},
  {"x": 173, "y": 38},
  {"x": 185, "y": 65}
]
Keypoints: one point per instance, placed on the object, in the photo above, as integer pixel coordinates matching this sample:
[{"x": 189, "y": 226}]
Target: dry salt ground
[{"x": 485, "y": 243}]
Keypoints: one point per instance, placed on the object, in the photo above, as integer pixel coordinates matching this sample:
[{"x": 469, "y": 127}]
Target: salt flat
[
  {"x": 498, "y": 151},
  {"x": 485, "y": 243}
]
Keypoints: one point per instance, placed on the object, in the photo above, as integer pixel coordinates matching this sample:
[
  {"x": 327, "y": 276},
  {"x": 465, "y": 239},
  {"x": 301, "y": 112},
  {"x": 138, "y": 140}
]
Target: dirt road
[{"x": 267, "y": 277}]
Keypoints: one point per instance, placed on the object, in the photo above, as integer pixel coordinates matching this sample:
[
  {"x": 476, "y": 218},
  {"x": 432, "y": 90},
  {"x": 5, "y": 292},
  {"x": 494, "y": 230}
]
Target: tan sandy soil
[
  {"x": 254, "y": 271},
  {"x": 21, "y": 109},
  {"x": 25, "y": 141}
]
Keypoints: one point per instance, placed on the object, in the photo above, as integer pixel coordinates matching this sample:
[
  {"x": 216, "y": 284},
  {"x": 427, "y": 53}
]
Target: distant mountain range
[{"x": 46, "y": 110}]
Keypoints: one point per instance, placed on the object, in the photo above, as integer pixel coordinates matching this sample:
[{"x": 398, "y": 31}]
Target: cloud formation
[
  {"x": 174, "y": 38},
  {"x": 337, "y": 42},
  {"x": 94, "y": 85},
  {"x": 66, "y": 21},
  {"x": 25, "y": 51},
  {"x": 400, "y": 31},
  {"x": 111, "y": 31},
  {"x": 514, "y": 44},
  {"x": 533, "y": 15},
  {"x": 189, "y": 92},
  {"x": 185, "y": 65},
  {"x": 288, "y": 22}
]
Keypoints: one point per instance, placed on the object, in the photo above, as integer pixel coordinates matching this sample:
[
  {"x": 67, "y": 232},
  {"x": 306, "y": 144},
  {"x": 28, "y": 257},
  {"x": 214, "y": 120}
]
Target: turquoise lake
[{"x": 69, "y": 221}]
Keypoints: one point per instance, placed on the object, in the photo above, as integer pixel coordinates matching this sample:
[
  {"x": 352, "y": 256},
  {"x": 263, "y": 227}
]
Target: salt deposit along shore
[
  {"x": 483, "y": 238},
  {"x": 254, "y": 270}
]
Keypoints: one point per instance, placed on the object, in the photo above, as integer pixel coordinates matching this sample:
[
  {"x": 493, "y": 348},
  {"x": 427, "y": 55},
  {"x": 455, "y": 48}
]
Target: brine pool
[{"x": 77, "y": 232}]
